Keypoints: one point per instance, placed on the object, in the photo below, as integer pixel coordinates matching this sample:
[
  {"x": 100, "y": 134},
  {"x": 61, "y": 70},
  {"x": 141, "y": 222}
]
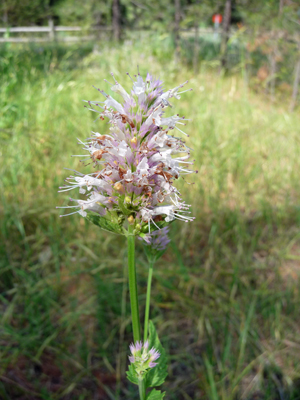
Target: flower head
[
  {"x": 137, "y": 162},
  {"x": 157, "y": 240},
  {"x": 142, "y": 358}
]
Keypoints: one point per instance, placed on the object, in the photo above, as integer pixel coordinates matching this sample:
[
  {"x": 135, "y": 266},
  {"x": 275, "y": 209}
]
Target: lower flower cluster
[{"x": 142, "y": 358}]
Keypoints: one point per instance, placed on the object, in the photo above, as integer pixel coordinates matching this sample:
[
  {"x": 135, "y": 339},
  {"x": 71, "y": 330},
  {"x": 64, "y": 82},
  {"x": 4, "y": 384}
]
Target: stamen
[
  {"x": 65, "y": 215},
  {"x": 181, "y": 131},
  {"x": 114, "y": 78},
  {"x": 188, "y": 90},
  {"x": 105, "y": 80},
  {"x": 127, "y": 73}
]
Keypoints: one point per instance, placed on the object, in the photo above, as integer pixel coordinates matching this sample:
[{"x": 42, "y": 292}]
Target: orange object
[{"x": 217, "y": 18}]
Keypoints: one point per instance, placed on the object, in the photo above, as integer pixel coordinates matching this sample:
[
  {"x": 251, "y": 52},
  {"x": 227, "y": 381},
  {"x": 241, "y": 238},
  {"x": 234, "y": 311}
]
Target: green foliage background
[
  {"x": 226, "y": 293},
  {"x": 154, "y": 14}
]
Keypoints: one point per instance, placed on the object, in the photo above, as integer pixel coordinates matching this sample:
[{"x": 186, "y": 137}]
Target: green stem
[
  {"x": 147, "y": 309},
  {"x": 142, "y": 390},
  {"x": 133, "y": 287}
]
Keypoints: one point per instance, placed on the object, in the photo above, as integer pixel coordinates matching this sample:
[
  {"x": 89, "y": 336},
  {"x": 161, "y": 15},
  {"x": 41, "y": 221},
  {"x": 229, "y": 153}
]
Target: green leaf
[
  {"x": 124, "y": 209},
  {"x": 104, "y": 223},
  {"x": 211, "y": 380},
  {"x": 155, "y": 395},
  {"x": 157, "y": 375},
  {"x": 152, "y": 254},
  {"x": 132, "y": 375}
]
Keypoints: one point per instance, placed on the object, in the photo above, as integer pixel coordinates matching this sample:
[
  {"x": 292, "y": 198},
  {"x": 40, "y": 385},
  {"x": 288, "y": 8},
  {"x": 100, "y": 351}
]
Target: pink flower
[
  {"x": 142, "y": 358},
  {"x": 137, "y": 162}
]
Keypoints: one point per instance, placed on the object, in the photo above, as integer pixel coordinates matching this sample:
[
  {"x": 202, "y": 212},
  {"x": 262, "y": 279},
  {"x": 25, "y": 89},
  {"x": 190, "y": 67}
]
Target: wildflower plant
[{"x": 131, "y": 192}]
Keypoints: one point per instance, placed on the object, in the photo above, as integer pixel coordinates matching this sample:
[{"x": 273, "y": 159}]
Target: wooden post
[
  {"x": 296, "y": 82},
  {"x": 5, "y": 17},
  {"x": 225, "y": 33},
  {"x": 273, "y": 67},
  {"x": 51, "y": 29},
  {"x": 116, "y": 22},
  {"x": 176, "y": 31},
  {"x": 196, "y": 47},
  {"x": 281, "y": 5}
]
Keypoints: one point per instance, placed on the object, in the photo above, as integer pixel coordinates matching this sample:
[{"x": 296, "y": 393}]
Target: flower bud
[
  {"x": 127, "y": 199},
  {"x": 119, "y": 187},
  {"x": 131, "y": 220},
  {"x": 137, "y": 229}
]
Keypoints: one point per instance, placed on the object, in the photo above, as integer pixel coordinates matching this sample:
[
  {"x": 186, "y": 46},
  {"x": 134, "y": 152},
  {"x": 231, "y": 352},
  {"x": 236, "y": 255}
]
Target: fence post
[
  {"x": 296, "y": 81},
  {"x": 225, "y": 33},
  {"x": 176, "y": 31},
  {"x": 116, "y": 20},
  {"x": 196, "y": 47},
  {"x": 51, "y": 29}
]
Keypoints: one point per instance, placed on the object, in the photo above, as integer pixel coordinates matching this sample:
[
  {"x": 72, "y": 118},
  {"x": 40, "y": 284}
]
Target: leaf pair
[
  {"x": 105, "y": 224},
  {"x": 113, "y": 227},
  {"x": 152, "y": 254}
]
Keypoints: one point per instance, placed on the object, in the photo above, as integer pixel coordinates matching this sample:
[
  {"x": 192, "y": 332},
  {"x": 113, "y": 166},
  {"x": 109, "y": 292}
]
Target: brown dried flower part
[
  {"x": 122, "y": 172},
  {"x": 144, "y": 148},
  {"x": 148, "y": 191},
  {"x": 101, "y": 138},
  {"x": 97, "y": 155},
  {"x": 126, "y": 119},
  {"x": 166, "y": 175},
  {"x": 98, "y": 174}
]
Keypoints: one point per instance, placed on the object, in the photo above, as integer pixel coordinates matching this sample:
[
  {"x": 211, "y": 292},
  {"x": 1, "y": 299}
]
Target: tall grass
[{"x": 226, "y": 294}]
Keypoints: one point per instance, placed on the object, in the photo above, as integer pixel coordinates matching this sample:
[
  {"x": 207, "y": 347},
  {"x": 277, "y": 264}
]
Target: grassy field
[{"x": 226, "y": 293}]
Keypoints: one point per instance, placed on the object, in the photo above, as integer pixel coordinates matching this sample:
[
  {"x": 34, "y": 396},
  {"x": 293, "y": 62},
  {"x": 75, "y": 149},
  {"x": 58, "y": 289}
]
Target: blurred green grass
[{"x": 226, "y": 293}]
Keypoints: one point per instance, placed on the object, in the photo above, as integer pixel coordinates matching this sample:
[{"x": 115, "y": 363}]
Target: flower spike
[{"x": 136, "y": 162}]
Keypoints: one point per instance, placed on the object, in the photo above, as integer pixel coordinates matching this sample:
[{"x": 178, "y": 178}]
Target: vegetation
[
  {"x": 263, "y": 36},
  {"x": 228, "y": 286}
]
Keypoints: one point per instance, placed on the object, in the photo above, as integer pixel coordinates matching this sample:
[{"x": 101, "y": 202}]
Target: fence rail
[
  {"x": 52, "y": 30},
  {"x": 25, "y": 29},
  {"x": 40, "y": 40}
]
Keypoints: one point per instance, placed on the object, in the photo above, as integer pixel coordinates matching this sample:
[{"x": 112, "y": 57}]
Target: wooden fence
[{"x": 51, "y": 33}]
